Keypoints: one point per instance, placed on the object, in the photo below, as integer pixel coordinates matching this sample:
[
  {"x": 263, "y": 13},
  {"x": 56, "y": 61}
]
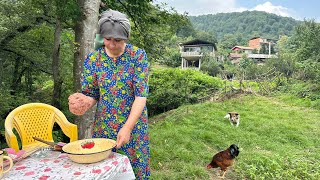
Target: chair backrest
[{"x": 36, "y": 120}]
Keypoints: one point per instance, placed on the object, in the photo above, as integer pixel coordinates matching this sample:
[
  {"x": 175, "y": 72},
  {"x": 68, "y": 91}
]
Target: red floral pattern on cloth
[{"x": 58, "y": 166}]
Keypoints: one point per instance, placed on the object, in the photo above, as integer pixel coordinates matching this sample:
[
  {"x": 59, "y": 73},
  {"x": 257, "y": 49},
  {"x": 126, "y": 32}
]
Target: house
[
  {"x": 262, "y": 43},
  {"x": 242, "y": 49},
  {"x": 193, "y": 51},
  {"x": 259, "y": 49}
]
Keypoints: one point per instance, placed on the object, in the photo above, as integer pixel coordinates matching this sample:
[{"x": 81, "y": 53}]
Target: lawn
[{"x": 277, "y": 140}]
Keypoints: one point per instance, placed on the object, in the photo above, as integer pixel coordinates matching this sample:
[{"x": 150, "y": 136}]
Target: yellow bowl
[{"x": 89, "y": 150}]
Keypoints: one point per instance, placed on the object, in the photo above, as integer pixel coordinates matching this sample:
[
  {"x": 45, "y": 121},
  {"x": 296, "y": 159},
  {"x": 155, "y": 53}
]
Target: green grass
[
  {"x": 277, "y": 140},
  {"x": 291, "y": 99}
]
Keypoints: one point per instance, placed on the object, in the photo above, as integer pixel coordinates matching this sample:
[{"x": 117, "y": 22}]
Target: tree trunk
[
  {"x": 16, "y": 76},
  {"x": 1, "y": 73},
  {"x": 29, "y": 80},
  {"x": 57, "y": 82},
  {"x": 85, "y": 31}
]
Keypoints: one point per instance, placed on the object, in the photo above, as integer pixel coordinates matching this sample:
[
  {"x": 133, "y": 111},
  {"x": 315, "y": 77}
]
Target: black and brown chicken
[{"x": 224, "y": 159}]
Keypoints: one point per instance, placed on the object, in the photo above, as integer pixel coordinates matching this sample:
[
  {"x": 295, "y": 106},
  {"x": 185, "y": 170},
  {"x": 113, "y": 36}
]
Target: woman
[{"x": 115, "y": 77}]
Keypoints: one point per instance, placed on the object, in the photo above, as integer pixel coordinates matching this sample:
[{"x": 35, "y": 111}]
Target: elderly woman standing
[{"x": 115, "y": 76}]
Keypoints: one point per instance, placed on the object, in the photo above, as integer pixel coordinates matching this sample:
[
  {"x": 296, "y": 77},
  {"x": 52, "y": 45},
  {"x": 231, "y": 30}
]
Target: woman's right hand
[{"x": 80, "y": 103}]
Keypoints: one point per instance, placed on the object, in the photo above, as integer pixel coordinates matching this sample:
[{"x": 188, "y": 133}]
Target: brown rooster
[{"x": 224, "y": 159}]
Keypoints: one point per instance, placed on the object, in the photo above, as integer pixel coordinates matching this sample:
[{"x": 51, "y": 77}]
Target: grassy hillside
[
  {"x": 277, "y": 140},
  {"x": 247, "y": 23}
]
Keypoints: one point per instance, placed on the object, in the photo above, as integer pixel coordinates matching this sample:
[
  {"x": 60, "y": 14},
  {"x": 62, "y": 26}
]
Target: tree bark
[
  {"x": 16, "y": 77},
  {"x": 29, "y": 80},
  {"x": 57, "y": 80},
  {"x": 85, "y": 31},
  {"x": 1, "y": 73}
]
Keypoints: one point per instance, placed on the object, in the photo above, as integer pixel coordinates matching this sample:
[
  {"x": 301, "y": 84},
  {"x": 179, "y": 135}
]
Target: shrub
[
  {"x": 171, "y": 88},
  {"x": 211, "y": 66},
  {"x": 7, "y": 103}
]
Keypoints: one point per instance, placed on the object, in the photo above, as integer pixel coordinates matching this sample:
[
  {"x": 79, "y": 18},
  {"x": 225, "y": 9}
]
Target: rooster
[{"x": 224, "y": 159}]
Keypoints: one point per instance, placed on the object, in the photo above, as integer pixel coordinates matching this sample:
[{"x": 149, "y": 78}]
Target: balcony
[
  {"x": 261, "y": 56},
  {"x": 191, "y": 56},
  {"x": 252, "y": 56}
]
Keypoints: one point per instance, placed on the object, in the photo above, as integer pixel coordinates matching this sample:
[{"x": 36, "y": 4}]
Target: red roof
[{"x": 242, "y": 47}]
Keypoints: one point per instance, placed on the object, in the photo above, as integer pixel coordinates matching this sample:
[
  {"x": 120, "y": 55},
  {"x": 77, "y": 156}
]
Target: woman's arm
[
  {"x": 136, "y": 111},
  {"x": 141, "y": 90}
]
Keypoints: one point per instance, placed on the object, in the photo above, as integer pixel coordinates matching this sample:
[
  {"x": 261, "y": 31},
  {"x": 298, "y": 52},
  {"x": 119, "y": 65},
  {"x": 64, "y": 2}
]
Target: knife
[{"x": 55, "y": 146}]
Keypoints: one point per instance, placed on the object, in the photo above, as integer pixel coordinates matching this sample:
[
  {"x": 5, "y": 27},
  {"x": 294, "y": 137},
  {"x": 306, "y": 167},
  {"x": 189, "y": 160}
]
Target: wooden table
[{"x": 55, "y": 165}]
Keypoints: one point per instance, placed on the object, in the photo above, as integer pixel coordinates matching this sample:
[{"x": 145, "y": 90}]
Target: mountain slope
[{"x": 247, "y": 24}]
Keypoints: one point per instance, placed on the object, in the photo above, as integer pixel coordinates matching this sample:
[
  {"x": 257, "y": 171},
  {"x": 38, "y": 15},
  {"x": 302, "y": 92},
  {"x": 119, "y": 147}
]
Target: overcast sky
[{"x": 297, "y": 9}]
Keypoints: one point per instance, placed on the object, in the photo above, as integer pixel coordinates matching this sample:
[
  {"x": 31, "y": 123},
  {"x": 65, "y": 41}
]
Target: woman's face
[{"x": 115, "y": 46}]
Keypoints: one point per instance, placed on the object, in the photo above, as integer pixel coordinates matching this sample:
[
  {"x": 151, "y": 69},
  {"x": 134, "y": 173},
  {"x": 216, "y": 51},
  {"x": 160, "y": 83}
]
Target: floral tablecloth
[{"x": 56, "y": 165}]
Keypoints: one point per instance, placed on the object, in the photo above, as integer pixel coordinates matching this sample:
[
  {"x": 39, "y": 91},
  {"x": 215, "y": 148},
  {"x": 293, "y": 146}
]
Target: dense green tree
[
  {"x": 26, "y": 42},
  {"x": 206, "y": 36},
  {"x": 210, "y": 65},
  {"x": 186, "y": 30},
  {"x": 27, "y": 36},
  {"x": 226, "y": 44},
  {"x": 284, "y": 63},
  {"x": 306, "y": 40},
  {"x": 305, "y": 47},
  {"x": 247, "y": 23},
  {"x": 38, "y": 39}
]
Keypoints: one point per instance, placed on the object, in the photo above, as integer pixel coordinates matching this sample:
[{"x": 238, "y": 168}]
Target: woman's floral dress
[{"x": 114, "y": 83}]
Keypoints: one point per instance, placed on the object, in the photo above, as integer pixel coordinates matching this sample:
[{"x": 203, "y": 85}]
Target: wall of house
[
  {"x": 248, "y": 51},
  {"x": 192, "y": 49},
  {"x": 198, "y": 49},
  {"x": 207, "y": 49},
  {"x": 255, "y": 43}
]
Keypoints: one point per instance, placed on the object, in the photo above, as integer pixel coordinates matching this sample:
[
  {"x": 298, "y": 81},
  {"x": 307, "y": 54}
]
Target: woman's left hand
[{"x": 123, "y": 137}]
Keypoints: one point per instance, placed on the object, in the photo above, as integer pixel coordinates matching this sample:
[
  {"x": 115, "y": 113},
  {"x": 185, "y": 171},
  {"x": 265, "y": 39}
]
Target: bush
[
  {"x": 173, "y": 58},
  {"x": 303, "y": 89},
  {"x": 171, "y": 88},
  {"x": 306, "y": 91},
  {"x": 8, "y": 102},
  {"x": 309, "y": 70},
  {"x": 211, "y": 66}
]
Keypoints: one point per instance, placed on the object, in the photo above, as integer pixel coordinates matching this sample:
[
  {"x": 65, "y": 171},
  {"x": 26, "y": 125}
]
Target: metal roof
[{"x": 199, "y": 42}]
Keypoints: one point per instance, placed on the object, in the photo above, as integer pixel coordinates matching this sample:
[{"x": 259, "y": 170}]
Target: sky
[{"x": 297, "y": 9}]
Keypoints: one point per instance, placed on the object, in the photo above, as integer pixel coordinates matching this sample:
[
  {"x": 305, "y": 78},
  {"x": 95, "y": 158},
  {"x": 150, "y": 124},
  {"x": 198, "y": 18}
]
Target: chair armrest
[
  {"x": 11, "y": 137},
  {"x": 69, "y": 129}
]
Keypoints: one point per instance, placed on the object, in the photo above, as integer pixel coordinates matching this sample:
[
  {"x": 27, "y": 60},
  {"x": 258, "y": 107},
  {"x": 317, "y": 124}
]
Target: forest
[
  {"x": 245, "y": 24},
  {"x": 43, "y": 44}
]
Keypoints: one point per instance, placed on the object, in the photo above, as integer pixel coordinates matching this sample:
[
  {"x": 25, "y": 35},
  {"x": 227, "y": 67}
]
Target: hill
[
  {"x": 245, "y": 24},
  {"x": 278, "y": 139}
]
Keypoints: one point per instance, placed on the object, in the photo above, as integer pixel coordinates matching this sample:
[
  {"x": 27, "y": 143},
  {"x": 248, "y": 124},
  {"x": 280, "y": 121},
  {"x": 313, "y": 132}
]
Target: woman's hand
[
  {"x": 123, "y": 137},
  {"x": 80, "y": 103}
]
